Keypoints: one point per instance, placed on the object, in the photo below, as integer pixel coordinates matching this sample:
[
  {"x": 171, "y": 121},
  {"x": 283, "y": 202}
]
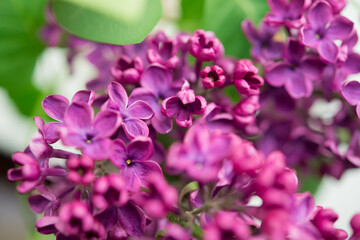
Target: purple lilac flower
[
  {"x": 157, "y": 85},
  {"x": 212, "y": 76},
  {"x": 264, "y": 48},
  {"x": 324, "y": 27},
  {"x": 30, "y": 172},
  {"x": 246, "y": 80},
  {"x": 90, "y": 134},
  {"x": 134, "y": 161},
  {"x": 55, "y": 107},
  {"x": 131, "y": 111},
  {"x": 183, "y": 106},
  {"x": 126, "y": 70},
  {"x": 204, "y": 46},
  {"x": 337, "y": 5},
  {"x": 288, "y": 13},
  {"x": 163, "y": 50},
  {"x": 297, "y": 71}
]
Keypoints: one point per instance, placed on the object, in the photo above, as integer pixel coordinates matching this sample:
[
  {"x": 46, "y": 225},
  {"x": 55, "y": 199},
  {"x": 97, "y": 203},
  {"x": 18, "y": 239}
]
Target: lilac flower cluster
[
  {"x": 306, "y": 49},
  {"x": 219, "y": 173}
]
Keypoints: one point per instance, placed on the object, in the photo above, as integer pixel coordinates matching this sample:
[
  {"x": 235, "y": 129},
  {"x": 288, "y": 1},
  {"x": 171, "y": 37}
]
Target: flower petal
[
  {"x": 55, "y": 106},
  {"x": 157, "y": 79},
  {"x": 351, "y": 92},
  {"x": 312, "y": 68},
  {"x": 171, "y": 106},
  {"x": 160, "y": 122},
  {"x": 118, "y": 94},
  {"x": 184, "y": 118},
  {"x": 294, "y": 51},
  {"x": 86, "y": 96},
  {"x": 101, "y": 149},
  {"x": 340, "y": 28},
  {"x": 134, "y": 127},
  {"x": 119, "y": 156},
  {"x": 278, "y": 73},
  {"x": 140, "y": 148},
  {"x": 319, "y": 15},
  {"x": 139, "y": 109},
  {"x": 145, "y": 168},
  {"x": 328, "y": 50},
  {"x": 299, "y": 86},
  {"x": 106, "y": 123},
  {"x": 133, "y": 219},
  {"x": 79, "y": 115}
]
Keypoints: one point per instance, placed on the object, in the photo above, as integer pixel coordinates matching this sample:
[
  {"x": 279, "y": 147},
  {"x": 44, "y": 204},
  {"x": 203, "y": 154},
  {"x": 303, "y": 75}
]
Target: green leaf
[
  {"x": 225, "y": 17},
  {"x": 190, "y": 187},
  {"x": 197, "y": 232},
  {"x": 108, "y": 21},
  {"x": 20, "y": 46},
  {"x": 191, "y": 14},
  {"x": 160, "y": 234}
]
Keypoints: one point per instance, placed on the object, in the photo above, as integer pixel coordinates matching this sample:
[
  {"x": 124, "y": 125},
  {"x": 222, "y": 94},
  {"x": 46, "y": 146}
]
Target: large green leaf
[
  {"x": 20, "y": 21},
  {"x": 108, "y": 21},
  {"x": 191, "y": 14},
  {"x": 225, "y": 17}
]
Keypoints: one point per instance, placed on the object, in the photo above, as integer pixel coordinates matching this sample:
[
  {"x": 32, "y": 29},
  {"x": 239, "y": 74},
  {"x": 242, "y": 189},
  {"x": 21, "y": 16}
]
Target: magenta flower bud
[
  {"x": 276, "y": 224},
  {"x": 212, "y": 76},
  {"x": 324, "y": 222},
  {"x": 75, "y": 218},
  {"x": 246, "y": 159},
  {"x": 176, "y": 232},
  {"x": 29, "y": 172},
  {"x": 46, "y": 224},
  {"x": 244, "y": 111},
  {"x": 127, "y": 71},
  {"x": 80, "y": 169},
  {"x": 246, "y": 80},
  {"x": 109, "y": 190},
  {"x": 355, "y": 225},
  {"x": 227, "y": 225},
  {"x": 160, "y": 199},
  {"x": 204, "y": 46}
]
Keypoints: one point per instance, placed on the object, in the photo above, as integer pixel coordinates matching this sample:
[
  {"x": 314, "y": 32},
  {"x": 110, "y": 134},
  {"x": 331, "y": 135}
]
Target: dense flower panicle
[{"x": 219, "y": 154}]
